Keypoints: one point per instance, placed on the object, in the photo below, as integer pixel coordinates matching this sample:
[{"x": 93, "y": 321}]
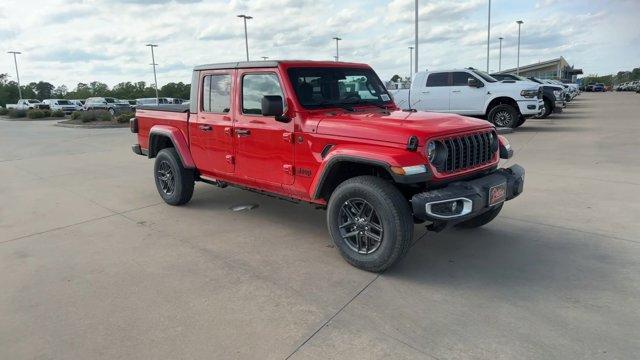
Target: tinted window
[
  {"x": 438, "y": 79},
  {"x": 254, "y": 87},
  {"x": 461, "y": 78},
  {"x": 216, "y": 94}
]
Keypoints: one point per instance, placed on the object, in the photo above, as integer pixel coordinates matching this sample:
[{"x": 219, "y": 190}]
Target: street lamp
[
  {"x": 15, "y": 61},
  {"x": 155, "y": 78},
  {"x": 416, "y": 35},
  {"x": 500, "y": 56},
  {"x": 246, "y": 39},
  {"x": 488, "y": 33},
  {"x": 410, "y": 62},
  {"x": 520, "y": 22},
  {"x": 337, "y": 51}
]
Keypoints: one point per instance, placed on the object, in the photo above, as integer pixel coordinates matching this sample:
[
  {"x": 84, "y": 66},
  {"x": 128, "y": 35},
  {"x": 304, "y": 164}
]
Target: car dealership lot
[{"x": 93, "y": 265}]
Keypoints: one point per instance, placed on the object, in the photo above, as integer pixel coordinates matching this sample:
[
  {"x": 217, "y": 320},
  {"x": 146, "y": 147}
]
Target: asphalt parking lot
[{"x": 93, "y": 265}]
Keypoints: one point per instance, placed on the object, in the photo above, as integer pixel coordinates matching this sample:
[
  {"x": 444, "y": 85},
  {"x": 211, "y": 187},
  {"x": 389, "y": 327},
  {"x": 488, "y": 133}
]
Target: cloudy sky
[{"x": 67, "y": 41}]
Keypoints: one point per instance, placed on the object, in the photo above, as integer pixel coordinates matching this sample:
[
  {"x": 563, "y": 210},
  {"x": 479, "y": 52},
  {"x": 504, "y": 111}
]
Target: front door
[
  {"x": 264, "y": 146},
  {"x": 464, "y": 99},
  {"x": 212, "y": 130}
]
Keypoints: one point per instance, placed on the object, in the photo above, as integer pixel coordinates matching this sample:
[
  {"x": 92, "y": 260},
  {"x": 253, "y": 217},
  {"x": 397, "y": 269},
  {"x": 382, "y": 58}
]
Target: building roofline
[{"x": 533, "y": 66}]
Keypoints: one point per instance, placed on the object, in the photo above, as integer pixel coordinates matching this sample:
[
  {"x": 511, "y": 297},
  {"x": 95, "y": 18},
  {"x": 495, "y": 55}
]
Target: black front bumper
[{"x": 473, "y": 193}]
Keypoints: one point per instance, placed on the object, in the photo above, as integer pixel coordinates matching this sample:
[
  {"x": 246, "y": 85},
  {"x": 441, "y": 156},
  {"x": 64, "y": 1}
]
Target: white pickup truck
[
  {"x": 61, "y": 104},
  {"x": 27, "y": 104},
  {"x": 472, "y": 92}
]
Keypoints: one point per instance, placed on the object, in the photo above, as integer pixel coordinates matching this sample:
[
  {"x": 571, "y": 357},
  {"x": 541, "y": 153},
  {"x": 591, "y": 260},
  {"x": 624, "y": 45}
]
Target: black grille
[{"x": 467, "y": 151}]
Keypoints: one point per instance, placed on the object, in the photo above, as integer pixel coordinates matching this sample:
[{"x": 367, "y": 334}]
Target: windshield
[
  {"x": 33, "y": 101},
  {"x": 110, "y": 100},
  {"x": 337, "y": 87},
  {"x": 63, "y": 102},
  {"x": 486, "y": 77}
]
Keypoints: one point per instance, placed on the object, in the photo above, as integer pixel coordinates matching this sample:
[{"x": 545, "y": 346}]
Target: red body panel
[{"x": 287, "y": 158}]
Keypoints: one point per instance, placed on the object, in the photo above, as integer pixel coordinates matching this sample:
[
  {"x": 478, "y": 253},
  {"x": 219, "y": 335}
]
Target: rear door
[
  {"x": 264, "y": 147},
  {"x": 435, "y": 95},
  {"x": 465, "y": 99},
  {"x": 211, "y": 129}
]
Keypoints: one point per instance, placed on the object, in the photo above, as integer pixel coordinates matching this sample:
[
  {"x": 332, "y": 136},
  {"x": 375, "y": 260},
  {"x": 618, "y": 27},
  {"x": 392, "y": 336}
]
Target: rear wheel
[
  {"x": 503, "y": 115},
  {"x": 482, "y": 219},
  {"x": 370, "y": 222},
  {"x": 174, "y": 182}
]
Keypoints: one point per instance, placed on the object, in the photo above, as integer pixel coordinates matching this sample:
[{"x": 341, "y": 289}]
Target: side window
[
  {"x": 216, "y": 93},
  {"x": 438, "y": 79},
  {"x": 461, "y": 78},
  {"x": 254, "y": 87}
]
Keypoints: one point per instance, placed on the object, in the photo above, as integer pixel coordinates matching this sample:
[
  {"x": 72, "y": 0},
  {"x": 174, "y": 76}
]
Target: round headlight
[{"x": 431, "y": 151}]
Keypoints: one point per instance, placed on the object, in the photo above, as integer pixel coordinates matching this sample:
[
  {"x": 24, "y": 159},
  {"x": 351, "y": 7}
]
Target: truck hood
[{"x": 396, "y": 126}]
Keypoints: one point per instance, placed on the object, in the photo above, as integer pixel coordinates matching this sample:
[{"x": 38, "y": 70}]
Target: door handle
[
  {"x": 426, "y": 92},
  {"x": 455, "y": 91},
  {"x": 205, "y": 127},
  {"x": 243, "y": 132}
]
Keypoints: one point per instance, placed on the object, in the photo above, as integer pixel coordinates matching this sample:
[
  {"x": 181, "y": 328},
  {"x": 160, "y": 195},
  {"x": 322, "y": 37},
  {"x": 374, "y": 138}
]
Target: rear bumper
[
  {"x": 472, "y": 196},
  {"x": 138, "y": 150}
]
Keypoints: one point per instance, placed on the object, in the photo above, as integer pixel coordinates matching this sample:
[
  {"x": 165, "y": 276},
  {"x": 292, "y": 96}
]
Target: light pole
[
  {"x": 410, "y": 62},
  {"x": 17, "y": 74},
  {"x": 337, "y": 50},
  {"x": 488, "y": 33},
  {"x": 500, "y": 56},
  {"x": 416, "y": 36},
  {"x": 520, "y": 22},
  {"x": 155, "y": 79},
  {"x": 246, "y": 38}
]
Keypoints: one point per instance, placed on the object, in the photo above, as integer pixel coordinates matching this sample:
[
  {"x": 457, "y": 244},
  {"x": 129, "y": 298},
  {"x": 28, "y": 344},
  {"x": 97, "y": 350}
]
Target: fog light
[{"x": 449, "y": 208}]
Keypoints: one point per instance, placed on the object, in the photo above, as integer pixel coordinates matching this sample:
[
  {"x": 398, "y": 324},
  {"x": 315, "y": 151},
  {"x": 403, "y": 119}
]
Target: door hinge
[
  {"x": 288, "y": 169},
  {"x": 230, "y": 159},
  {"x": 288, "y": 137}
]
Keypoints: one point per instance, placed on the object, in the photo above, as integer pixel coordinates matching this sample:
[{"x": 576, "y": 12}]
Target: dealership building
[{"x": 558, "y": 69}]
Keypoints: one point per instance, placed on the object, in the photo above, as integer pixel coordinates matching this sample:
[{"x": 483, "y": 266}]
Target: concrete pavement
[{"x": 94, "y": 266}]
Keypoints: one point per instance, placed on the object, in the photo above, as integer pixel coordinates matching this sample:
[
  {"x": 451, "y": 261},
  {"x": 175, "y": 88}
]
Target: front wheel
[
  {"x": 482, "y": 219},
  {"x": 174, "y": 182},
  {"x": 370, "y": 222},
  {"x": 503, "y": 115}
]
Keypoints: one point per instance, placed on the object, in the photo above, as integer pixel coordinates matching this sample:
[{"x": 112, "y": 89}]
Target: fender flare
[
  {"x": 372, "y": 156},
  {"x": 178, "y": 140}
]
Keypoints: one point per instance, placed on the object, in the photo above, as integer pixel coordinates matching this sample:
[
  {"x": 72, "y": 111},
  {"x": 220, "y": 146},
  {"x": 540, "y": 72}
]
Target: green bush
[
  {"x": 57, "y": 113},
  {"x": 35, "y": 114},
  {"x": 76, "y": 115},
  {"x": 123, "y": 118},
  {"x": 95, "y": 115},
  {"x": 15, "y": 113},
  {"x": 47, "y": 112},
  {"x": 3, "y": 111}
]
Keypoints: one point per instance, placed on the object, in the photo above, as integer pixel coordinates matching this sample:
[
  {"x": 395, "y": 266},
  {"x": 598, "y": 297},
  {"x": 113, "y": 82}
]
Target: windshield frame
[{"x": 294, "y": 73}]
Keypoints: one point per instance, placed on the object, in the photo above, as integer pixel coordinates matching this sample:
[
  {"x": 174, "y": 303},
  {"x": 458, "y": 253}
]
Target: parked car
[
  {"x": 78, "y": 104},
  {"x": 60, "y": 104},
  {"x": 598, "y": 87},
  {"x": 112, "y": 105},
  {"x": 27, "y": 104},
  {"x": 299, "y": 132},
  {"x": 472, "y": 92},
  {"x": 552, "y": 95}
]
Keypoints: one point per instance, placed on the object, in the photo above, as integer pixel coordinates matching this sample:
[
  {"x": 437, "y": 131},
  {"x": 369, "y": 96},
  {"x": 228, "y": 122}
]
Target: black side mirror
[
  {"x": 272, "y": 105},
  {"x": 473, "y": 82}
]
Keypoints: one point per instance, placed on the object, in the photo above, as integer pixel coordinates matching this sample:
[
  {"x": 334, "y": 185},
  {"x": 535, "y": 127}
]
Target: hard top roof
[{"x": 271, "y": 64}]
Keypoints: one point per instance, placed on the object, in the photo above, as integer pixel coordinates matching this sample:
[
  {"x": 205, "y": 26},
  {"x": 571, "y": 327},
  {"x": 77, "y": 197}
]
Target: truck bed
[{"x": 168, "y": 115}]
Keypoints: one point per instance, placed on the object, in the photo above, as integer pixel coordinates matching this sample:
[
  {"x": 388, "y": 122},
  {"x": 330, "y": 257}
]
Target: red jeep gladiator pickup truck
[{"x": 328, "y": 133}]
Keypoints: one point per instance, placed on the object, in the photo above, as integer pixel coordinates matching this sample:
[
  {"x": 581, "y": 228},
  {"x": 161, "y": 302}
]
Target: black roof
[{"x": 238, "y": 65}]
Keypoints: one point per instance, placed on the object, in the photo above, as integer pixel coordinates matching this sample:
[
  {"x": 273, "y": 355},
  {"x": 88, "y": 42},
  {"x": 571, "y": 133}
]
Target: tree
[
  {"x": 99, "y": 88},
  {"x": 176, "y": 90},
  {"x": 61, "y": 91},
  {"x": 396, "y": 78},
  {"x": 42, "y": 89}
]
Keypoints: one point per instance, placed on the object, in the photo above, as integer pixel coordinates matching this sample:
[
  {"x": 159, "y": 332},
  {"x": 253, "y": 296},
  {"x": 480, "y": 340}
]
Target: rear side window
[
  {"x": 216, "y": 94},
  {"x": 461, "y": 78},
  {"x": 254, "y": 87},
  {"x": 438, "y": 79}
]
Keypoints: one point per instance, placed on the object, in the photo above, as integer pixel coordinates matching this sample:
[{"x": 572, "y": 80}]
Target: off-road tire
[
  {"x": 183, "y": 179},
  {"x": 482, "y": 219},
  {"x": 498, "y": 110},
  {"x": 392, "y": 211}
]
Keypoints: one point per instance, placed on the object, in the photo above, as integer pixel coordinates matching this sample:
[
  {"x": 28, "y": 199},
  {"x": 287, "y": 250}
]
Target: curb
[{"x": 97, "y": 126}]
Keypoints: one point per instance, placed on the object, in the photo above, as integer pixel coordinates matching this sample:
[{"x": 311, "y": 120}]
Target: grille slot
[{"x": 466, "y": 151}]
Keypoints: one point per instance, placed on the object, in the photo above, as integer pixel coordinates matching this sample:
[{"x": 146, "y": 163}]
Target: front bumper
[
  {"x": 473, "y": 196},
  {"x": 529, "y": 108},
  {"x": 559, "y": 105}
]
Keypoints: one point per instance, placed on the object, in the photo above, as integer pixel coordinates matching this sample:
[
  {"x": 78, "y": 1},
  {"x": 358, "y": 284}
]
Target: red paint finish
[{"x": 286, "y": 158}]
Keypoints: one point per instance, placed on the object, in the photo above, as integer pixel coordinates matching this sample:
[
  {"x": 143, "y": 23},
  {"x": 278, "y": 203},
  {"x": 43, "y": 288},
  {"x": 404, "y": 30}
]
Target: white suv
[
  {"x": 60, "y": 104},
  {"x": 472, "y": 92}
]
